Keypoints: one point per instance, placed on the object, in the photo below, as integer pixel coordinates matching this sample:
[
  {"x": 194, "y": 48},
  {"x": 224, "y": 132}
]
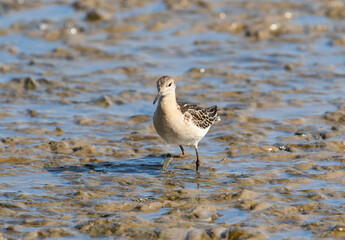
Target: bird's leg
[
  {"x": 168, "y": 159},
  {"x": 183, "y": 152},
  {"x": 197, "y": 159}
]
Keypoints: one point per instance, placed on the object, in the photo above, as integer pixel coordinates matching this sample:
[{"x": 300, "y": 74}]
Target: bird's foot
[{"x": 180, "y": 156}]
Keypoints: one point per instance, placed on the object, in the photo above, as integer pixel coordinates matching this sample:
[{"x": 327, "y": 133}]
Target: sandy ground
[{"x": 79, "y": 158}]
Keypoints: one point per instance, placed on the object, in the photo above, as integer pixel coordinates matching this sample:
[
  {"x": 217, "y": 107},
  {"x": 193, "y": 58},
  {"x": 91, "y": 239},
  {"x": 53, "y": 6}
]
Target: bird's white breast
[{"x": 177, "y": 128}]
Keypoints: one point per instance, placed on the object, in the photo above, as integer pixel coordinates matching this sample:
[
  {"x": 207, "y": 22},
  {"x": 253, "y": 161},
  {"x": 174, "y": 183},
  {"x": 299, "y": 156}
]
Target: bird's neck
[{"x": 168, "y": 103}]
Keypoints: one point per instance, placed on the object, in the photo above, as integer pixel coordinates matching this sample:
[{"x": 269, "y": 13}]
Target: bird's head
[{"x": 165, "y": 86}]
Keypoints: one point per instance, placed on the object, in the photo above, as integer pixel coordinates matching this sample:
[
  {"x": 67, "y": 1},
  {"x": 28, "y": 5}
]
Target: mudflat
[{"x": 79, "y": 157}]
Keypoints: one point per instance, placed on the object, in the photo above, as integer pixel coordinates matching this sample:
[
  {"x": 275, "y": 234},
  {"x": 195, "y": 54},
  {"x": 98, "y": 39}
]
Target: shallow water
[{"x": 79, "y": 157}]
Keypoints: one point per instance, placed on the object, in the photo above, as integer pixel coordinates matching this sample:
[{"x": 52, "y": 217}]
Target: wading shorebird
[{"x": 180, "y": 123}]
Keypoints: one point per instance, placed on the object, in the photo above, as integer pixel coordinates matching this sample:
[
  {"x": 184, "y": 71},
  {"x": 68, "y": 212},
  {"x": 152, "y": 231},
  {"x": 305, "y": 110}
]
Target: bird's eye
[{"x": 169, "y": 85}]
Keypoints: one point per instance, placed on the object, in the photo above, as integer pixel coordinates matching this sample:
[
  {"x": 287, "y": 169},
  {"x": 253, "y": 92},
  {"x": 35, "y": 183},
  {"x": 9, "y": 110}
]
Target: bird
[{"x": 180, "y": 123}]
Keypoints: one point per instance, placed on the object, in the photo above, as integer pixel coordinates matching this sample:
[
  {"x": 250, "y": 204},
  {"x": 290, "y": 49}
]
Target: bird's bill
[{"x": 157, "y": 97}]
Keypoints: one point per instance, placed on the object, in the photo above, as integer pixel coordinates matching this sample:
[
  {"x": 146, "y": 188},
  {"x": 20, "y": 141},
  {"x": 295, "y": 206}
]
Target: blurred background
[{"x": 79, "y": 157}]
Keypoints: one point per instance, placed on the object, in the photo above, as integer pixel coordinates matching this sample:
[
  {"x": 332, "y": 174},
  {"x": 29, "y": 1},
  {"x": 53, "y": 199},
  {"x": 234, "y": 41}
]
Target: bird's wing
[{"x": 201, "y": 117}]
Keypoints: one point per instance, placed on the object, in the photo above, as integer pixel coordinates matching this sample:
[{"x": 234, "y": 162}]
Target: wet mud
[{"x": 79, "y": 157}]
